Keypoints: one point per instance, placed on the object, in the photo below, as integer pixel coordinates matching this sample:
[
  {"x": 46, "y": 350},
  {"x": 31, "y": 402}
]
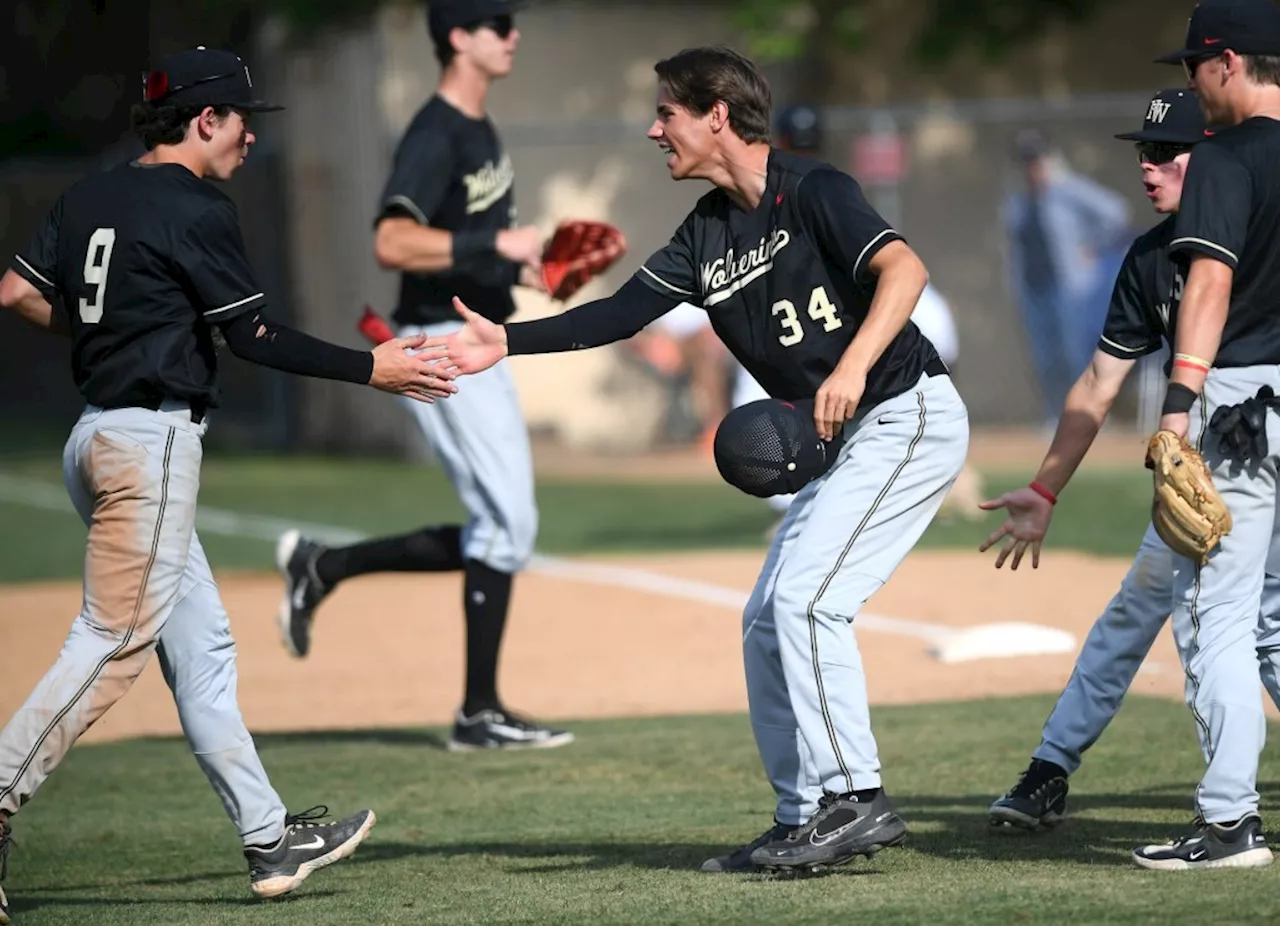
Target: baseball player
[
  {"x": 147, "y": 268},
  {"x": 1142, "y": 313},
  {"x": 798, "y": 129},
  {"x": 812, "y": 291},
  {"x": 1227, "y": 352},
  {"x": 446, "y": 222}
]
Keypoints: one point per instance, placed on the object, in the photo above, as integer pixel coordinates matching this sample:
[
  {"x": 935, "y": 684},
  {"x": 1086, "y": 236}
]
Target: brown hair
[
  {"x": 697, "y": 78},
  {"x": 1262, "y": 69}
]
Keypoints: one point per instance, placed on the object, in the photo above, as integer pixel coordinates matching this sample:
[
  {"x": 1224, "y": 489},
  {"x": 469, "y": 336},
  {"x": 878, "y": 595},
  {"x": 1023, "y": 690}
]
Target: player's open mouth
[{"x": 1152, "y": 190}]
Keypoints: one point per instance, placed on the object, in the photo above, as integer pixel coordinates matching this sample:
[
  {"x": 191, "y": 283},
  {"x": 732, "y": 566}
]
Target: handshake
[{"x": 578, "y": 252}]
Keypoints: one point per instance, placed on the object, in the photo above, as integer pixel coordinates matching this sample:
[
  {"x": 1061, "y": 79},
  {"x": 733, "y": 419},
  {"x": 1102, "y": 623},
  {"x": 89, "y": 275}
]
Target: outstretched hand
[
  {"x": 407, "y": 366},
  {"x": 1026, "y": 525},
  {"x": 476, "y": 346}
]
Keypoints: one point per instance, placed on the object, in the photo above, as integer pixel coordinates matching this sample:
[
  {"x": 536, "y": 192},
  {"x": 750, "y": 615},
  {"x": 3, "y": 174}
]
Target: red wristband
[
  {"x": 1044, "y": 493},
  {"x": 1191, "y": 365}
]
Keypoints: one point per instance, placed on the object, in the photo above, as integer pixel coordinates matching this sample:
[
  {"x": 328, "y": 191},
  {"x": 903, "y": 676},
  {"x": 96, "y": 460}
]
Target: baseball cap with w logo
[
  {"x": 1247, "y": 27},
  {"x": 1173, "y": 118},
  {"x": 202, "y": 77}
]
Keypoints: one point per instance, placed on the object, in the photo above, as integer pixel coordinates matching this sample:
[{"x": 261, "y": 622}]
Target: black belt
[{"x": 199, "y": 407}]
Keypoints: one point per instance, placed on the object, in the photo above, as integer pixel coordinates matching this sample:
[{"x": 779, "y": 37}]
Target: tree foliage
[{"x": 783, "y": 30}]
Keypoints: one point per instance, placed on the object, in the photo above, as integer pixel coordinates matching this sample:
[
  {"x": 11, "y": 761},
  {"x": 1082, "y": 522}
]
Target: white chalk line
[{"x": 45, "y": 496}]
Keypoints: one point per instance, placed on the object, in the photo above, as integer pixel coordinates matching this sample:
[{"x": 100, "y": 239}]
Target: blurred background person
[{"x": 1063, "y": 231}]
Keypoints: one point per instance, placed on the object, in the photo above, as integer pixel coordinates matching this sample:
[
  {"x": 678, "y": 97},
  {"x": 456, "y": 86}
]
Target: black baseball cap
[
  {"x": 203, "y": 77},
  {"x": 1247, "y": 27},
  {"x": 771, "y": 447},
  {"x": 1173, "y": 117},
  {"x": 443, "y": 16},
  {"x": 800, "y": 127}
]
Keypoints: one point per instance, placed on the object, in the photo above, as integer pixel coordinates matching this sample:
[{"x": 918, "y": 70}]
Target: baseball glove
[
  {"x": 578, "y": 252},
  {"x": 1188, "y": 513}
]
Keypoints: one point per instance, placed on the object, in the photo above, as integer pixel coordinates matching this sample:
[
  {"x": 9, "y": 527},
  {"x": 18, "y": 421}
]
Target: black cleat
[
  {"x": 6, "y": 840},
  {"x": 842, "y": 829},
  {"x": 740, "y": 858},
  {"x": 1039, "y": 799},
  {"x": 296, "y": 559},
  {"x": 501, "y": 729},
  {"x": 305, "y": 847},
  {"x": 1210, "y": 845}
]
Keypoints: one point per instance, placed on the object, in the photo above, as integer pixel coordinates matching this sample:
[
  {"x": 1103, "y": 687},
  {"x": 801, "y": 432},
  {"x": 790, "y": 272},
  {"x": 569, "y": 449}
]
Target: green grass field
[
  {"x": 612, "y": 828},
  {"x": 575, "y": 517}
]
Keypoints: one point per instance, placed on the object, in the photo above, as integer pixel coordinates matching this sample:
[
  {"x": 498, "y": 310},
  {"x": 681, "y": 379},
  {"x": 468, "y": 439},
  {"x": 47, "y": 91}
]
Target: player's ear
[
  {"x": 719, "y": 116},
  {"x": 206, "y": 122},
  {"x": 458, "y": 38}
]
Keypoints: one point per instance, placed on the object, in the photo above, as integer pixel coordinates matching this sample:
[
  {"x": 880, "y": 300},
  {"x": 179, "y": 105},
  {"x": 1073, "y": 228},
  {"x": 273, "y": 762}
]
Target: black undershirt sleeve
[
  {"x": 259, "y": 340},
  {"x": 592, "y": 324}
]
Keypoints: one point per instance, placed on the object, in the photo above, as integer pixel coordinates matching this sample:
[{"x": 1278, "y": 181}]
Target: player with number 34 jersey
[{"x": 812, "y": 291}]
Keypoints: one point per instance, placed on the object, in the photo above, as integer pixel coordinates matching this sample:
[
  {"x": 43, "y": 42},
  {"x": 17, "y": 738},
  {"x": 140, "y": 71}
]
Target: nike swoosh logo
[
  {"x": 823, "y": 839},
  {"x": 300, "y": 595},
  {"x": 311, "y": 845},
  {"x": 1198, "y": 854}
]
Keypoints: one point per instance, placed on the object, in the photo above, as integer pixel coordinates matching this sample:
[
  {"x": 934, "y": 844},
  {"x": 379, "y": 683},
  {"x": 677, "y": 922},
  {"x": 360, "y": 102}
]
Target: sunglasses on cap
[
  {"x": 1159, "y": 152},
  {"x": 501, "y": 25}
]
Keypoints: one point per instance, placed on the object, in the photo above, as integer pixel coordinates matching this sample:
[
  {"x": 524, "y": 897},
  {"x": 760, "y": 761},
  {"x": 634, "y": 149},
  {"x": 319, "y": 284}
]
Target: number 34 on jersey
[{"x": 820, "y": 309}]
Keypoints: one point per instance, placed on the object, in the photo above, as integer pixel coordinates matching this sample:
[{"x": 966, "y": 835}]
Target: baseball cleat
[
  {"x": 305, "y": 847},
  {"x": 6, "y": 833},
  {"x": 501, "y": 729},
  {"x": 842, "y": 829},
  {"x": 1039, "y": 799},
  {"x": 1210, "y": 845},
  {"x": 296, "y": 559},
  {"x": 739, "y": 859}
]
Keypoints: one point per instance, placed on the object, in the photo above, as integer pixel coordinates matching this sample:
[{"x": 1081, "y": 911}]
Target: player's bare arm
[
  {"x": 1200, "y": 322},
  {"x": 901, "y": 279},
  {"x": 1029, "y": 509},
  {"x": 1211, "y": 233},
  {"x": 402, "y": 243},
  {"x": 18, "y": 295}
]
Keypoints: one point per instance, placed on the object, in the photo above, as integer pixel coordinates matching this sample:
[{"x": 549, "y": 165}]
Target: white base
[{"x": 1002, "y": 641}]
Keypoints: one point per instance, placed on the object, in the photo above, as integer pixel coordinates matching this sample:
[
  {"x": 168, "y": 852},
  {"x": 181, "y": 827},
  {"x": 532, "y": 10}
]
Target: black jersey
[
  {"x": 450, "y": 172},
  {"x": 1230, "y": 211},
  {"x": 1144, "y": 301},
  {"x": 786, "y": 285},
  {"x": 143, "y": 259}
]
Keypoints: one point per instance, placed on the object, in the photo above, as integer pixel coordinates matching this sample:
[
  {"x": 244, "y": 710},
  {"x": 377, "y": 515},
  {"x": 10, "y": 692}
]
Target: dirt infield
[{"x": 388, "y": 649}]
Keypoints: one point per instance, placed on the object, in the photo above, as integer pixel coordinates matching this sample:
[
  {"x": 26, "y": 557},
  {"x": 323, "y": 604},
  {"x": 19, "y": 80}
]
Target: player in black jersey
[
  {"x": 1226, "y": 241},
  {"x": 1140, "y": 320},
  {"x": 446, "y": 223},
  {"x": 812, "y": 292},
  {"x": 144, "y": 268}
]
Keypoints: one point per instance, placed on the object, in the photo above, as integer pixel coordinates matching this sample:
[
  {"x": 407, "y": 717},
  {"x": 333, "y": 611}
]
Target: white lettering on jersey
[
  {"x": 1159, "y": 109},
  {"x": 724, "y": 276},
  {"x": 488, "y": 185},
  {"x": 1164, "y": 307}
]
